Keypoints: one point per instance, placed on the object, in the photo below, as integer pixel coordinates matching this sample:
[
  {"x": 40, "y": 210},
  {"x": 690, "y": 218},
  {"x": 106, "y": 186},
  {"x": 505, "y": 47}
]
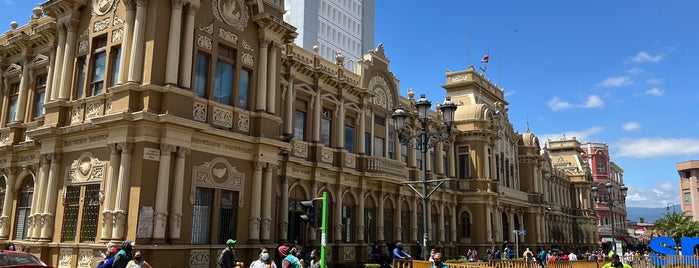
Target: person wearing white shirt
[{"x": 572, "y": 256}]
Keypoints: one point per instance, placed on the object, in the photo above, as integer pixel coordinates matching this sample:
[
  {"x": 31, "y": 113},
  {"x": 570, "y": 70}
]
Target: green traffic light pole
[
  {"x": 324, "y": 230},
  {"x": 399, "y": 116}
]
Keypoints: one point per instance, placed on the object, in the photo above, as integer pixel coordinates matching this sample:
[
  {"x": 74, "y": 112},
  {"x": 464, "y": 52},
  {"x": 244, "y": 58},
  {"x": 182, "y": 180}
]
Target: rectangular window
[
  {"x": 80, "y": 88},
  {"x": 98, "y": 69},
  {"x": 223, "y": 82},
  {"x": 600, "y": 167},
  {"x": 447, "y": 228},
  {"x": 380, "y": 121},
  {"x": 347, "y": 224},
  {"x": 388, "y": 225},
  {"x": 244, "y": 89},
  {"x": 325, "y": 127},
  {"x": 39, "y": 93},
  {"x": 200, "y": 75},
  {"x": 404, "y": 153},
  {"x": 418, "y": 159},
  {"x": 90, "y": 214},
  {"x": 378, "y": 146},
  {"x": 228, "y": 216},
  {"x": 433, "y": 162},
  {"x": 349, "y": 139},
  {"x": 70, "y": 213},
  {"x": 300, "y": 125},
  {"x": 445, "y": 166},
  {"x": 202, "y": 212},
  {"x": 405, "y": 221},
  {"x": 391, "y": 145},
  {"x": 25, "y": 205},
  {"x": 116, "y": 63},
  {"x": 11, "y": 110},
  {"x": 369, "y": 223},
  {"x": 687, "y": 197},
  {"x": 464, "y": 166},
  {"x": 367, "y": 143}
]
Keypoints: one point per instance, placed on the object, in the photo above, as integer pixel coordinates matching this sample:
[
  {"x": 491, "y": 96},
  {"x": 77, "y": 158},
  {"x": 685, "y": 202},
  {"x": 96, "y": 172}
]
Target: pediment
[{"x": 14, "y": 67}]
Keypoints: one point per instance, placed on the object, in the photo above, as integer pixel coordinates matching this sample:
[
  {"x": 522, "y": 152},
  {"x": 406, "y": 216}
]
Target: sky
[{"x": 624, "y": 72}]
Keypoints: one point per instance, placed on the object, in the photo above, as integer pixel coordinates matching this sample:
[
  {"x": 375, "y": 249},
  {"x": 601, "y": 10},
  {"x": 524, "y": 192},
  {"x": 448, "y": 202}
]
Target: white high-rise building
[{"x": 345, "y": 26}]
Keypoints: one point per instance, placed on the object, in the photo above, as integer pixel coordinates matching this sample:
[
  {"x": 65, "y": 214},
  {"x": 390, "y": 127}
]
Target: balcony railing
[{"x": 386, "y": 166}]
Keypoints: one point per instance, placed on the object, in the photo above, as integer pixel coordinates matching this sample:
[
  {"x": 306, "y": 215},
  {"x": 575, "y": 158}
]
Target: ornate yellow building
[{"x": 181, "y": 123}]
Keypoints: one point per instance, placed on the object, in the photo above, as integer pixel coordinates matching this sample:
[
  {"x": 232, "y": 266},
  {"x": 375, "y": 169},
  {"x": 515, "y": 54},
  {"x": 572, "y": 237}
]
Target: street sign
[{"x": 522, "y": 232}]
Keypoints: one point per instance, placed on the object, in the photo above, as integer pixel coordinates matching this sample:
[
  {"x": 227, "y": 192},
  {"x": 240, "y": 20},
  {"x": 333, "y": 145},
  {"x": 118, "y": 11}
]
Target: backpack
[{"x": 221, "y": 256}]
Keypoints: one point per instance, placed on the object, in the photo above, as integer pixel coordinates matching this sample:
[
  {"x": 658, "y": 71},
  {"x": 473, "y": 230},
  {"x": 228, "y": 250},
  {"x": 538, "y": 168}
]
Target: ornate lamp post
[
  {"x": 427, "y": 139},
  {"x": 611, "y": 202}
]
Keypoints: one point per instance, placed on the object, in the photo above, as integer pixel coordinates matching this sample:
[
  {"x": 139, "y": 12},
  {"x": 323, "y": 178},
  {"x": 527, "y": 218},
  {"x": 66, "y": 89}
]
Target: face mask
[
  {"x": 438, "y": 264},
  {"x": 138, "y": 258},
  {"x": 265, "y": 256}
]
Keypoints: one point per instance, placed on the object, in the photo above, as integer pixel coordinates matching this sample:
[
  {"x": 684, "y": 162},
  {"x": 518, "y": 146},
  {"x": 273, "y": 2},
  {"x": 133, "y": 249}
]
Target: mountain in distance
[{"x": 649, "y": 215}]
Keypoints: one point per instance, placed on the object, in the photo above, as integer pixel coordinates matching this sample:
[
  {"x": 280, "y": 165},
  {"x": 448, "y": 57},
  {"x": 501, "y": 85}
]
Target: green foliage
[
  {"x": 677, "y": 225},
  {"x": 372, "y": 265}
]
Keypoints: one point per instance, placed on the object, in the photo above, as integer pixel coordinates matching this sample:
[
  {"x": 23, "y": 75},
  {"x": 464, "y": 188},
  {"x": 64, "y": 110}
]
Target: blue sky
[{"x": 625, "y": 73}]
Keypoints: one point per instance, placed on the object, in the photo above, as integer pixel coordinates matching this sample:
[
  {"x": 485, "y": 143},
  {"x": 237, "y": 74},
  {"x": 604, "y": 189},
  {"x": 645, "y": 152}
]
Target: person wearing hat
[
  {"x": 288, "y": 255},
  {"x": 124, "y": 255},
  {"x": 227, "y": 257},
  {"x": 616, "y": 263},
  {"x": 109, "y": 258}
]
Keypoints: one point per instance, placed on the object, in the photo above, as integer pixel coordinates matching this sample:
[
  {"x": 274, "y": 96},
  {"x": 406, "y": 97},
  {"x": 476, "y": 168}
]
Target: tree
[{"x": 677, "y": 225}]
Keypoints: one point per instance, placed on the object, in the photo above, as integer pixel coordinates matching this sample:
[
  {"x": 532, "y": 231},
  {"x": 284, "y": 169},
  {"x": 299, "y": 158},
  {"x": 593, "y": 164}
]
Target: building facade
[
  {"x": 689, "y": 188},
  {"x": 344, "y": 26},
  {"x": 180, "y": 124},
  {"x": 605, "y": 171}
]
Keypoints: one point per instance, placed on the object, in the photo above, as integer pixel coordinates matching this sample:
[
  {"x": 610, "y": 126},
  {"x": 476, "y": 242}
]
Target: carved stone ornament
[
  {"x": 228, "y": 36},
  {"x": 117, "y": 35},
  {"x": 222, "y": 118},
  {"x": 83, "y": 46},
  {"x": 93, "y": 109},
  {"x": 300, "y": 149},
  {"x": 199, "y": 112},
  {"x": 382, "y": 95},
  {"x": 199, "y": 258},
  {"x": 85, "y": 258},
  {"x": 248, "y": 59},
  {"x": 64, "y": 257},
  {"x": 101, "y": 7},
  {"x": 4, "y": 138},
  {"x": 351, "y": 161},
  {"x": 218, "y": 174},
  {"x": 86, "y": 169},
  {"x": 246, "y": 45},
  {"x": 232, "y": 12},
  {"x": 208, "y": 29},
  {"x": 243, "y": 123},
  {"x": 76, "y": 115},
  {"x": 205, "y": 42},
  {"x": 100, "y": 25}
]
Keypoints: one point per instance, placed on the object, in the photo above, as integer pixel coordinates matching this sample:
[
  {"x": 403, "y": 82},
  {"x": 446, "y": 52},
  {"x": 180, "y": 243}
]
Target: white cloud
[
  {"x": 643, "y": 56},
  {"x": 654, "y": 81},
  {"x": 510, "y": 93},
  {"x": 655, "y": 147},
  {"x": 635, "y": 70},
  {"x": 655, "y": 92},
  {"x": 631, "y": 126},
  {"x": 557, "y": 104},
  {"x": 661, "y": 194},
  {"x": 593, "y": 101},
  {"x": 581, "y": 135},
  {"x": 617, "y": 81}
]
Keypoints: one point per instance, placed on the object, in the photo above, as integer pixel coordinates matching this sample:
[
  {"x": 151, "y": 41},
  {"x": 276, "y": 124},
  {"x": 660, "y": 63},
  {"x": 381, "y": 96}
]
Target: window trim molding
[{"x": 211, "y": 172}]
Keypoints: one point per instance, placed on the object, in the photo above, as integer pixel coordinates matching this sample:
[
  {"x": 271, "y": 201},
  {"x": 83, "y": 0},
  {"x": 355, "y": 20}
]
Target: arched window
[{"x": 24, "y": 205}]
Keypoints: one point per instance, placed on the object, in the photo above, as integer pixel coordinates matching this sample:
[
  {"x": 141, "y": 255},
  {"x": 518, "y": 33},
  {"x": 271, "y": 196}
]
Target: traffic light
[{"x": 314, "y": 212}]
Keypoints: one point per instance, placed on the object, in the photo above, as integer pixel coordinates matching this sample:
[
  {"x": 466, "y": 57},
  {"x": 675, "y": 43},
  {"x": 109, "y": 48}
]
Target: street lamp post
[
  {"x": 673, "y": 208},
  {"x": 399, "y": 117},
  {"x": 611, "y": 203}
]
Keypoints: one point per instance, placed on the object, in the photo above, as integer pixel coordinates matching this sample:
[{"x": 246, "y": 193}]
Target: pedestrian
[
  {"x": 26, "y": 249},
  {"x": 438, "y": 262},
  {"x": 616, "y": 263},
  {"x": 432, "y": 251},
  {"x": 108, "y": 258},
  {"x": 399, "y": 253},
  {"x": 138, "y": 261},
  {"x": 10, "y": 246},
  {"x": 315, "y": 259},
  {"x": 124, "y": 255},
  {"x": 263, "y": 260},
  {"x": 289, "y": 259},
  {"x": 508, "y": 253},
  {"x": 226, "y": 259}
]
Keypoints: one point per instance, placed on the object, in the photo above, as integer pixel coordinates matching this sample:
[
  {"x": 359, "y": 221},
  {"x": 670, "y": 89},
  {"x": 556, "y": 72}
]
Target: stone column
[
  {"x": 23, "y": 88},
  {"x": 379, "y": 219},
  {"x": 138, "y": 43},
  {"x": 289, "y": 108},
  {"x": 175, "y": 221},
  {"x": 185, "y": 78},
  {"x": 51, "y": 197},
  {"x": 272, "y": 79},
  {"x": 439, "y": 159},
  {"x": 163, "y": 190},
  {"x": 121, "y": 203},
  {"x": 283, "y": 209},
  {"x": 398, "y": 219},
  {"x": 68, "y": 60},
  {"x": 340, "y": 133},
  {"x": 317, "y": 114},
  {"x": 440, "y": 224},
  {"x": 49, "y": 78},
  {"x": 361, "y": 129},
  {"x": 338, "y": 214},
  {"x": 5, "y": 223},
  {"x": 454, "y": 227},
  {"x": 58, "y": 63},
  {"x": 109, "y": 198},
  {"x": 412, "y": 154},
  {"x": 173, "y": 48},
  {"x": 262, "y": 77},
  {"x": 38, "y": 205},
  {"x": 413, "y": 222},
  {"x": 254, "y": 220},
  {"x": 361, "y": 228},
  {"x": 451, "y": 159},
  {"x": 126, "y": 43},
  {"x": 488, "y": 224},
  {"x": 267, "y": 198},
  {"x": 397, "y": 147}
]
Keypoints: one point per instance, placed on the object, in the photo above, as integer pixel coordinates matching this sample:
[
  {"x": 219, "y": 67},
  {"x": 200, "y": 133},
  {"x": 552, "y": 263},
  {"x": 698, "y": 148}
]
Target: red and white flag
[{"x": 485, "y": 58}]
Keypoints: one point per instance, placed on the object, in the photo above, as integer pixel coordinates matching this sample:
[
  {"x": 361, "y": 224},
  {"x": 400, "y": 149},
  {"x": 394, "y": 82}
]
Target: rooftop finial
[{"x": 528, "y": 130}]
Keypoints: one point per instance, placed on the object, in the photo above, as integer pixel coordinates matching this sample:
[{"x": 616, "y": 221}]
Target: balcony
[
  {"x": 385, "y": 165},
  {"x": 514, "y": 194}
]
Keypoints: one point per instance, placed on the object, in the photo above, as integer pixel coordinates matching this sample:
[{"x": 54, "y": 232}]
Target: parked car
[{"x": 18, "y": 259}]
